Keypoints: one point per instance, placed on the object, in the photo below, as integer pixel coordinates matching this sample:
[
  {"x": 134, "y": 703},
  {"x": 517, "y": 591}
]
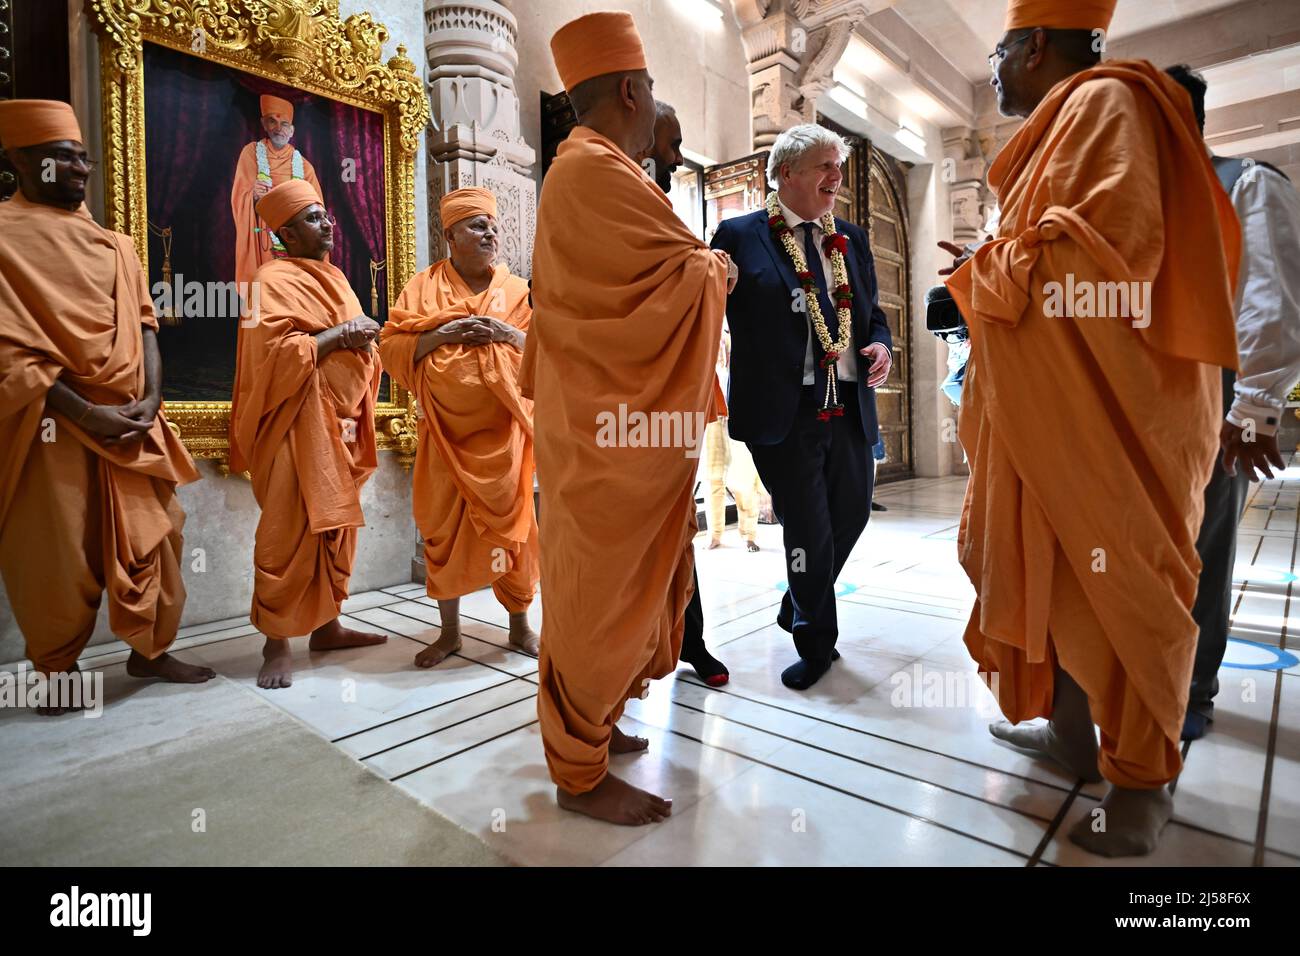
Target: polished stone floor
[{"x": 886, "y": 761}]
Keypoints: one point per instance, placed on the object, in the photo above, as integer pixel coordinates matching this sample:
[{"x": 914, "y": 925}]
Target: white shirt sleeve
[{"x": 1268, "y": 297}]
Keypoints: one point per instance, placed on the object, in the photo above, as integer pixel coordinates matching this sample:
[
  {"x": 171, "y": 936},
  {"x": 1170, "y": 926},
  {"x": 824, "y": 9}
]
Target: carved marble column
[
  {"x": 792, "y": 47},
  {"x": 475, "y": 138},
  {"x": 964, "y": 169}
]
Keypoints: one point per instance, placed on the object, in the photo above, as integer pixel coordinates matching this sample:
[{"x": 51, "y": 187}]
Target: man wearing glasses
[
  {"x": 89, "y": 471},
  {"x": 302, "y": 425},
  {"x": 1090, "y": 416}
]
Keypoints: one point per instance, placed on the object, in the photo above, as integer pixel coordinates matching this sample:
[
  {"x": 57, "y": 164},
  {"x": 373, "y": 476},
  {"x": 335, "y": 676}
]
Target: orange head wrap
[
  {"x": 1060, "y": 14},
  {"x": 285, "y": 201},
  {"x": 596, "y": 44},
  {"x": 32, "y": 122},
  {"x": 274, "y": 106},
  {"x": 463, "y": 203}
]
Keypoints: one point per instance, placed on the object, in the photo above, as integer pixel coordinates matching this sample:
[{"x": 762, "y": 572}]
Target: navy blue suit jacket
[{"x": 769, "y": 338}]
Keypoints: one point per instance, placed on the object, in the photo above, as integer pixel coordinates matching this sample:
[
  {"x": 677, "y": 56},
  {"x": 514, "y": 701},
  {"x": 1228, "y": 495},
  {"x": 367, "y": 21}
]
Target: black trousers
[
  {"x": 820, "y": 478},
  {"x": 693, "y": 631},
  {"x": 1225, "y": 500}
]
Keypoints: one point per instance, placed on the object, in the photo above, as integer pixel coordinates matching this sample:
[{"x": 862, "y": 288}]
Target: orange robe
[
  {"x": 1091, "y": 439},
  {"x": 78, "y": 518},
  {"x": 252, "y": 238},
  {"x": 628, "y": 309},
  {"x": 305, "y": 430},
  {"x": 473, "y": 489}
]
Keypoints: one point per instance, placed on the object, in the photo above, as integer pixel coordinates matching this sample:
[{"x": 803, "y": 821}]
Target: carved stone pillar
[
  {"x": 964, "y": 169},
  {"x": 776, "y": 41},
  {"x": 792, "y": 47},
  {"x": 474, "y": 138}
]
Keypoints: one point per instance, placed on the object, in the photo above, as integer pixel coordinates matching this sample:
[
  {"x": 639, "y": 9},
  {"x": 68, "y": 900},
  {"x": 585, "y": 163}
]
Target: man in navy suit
[{"x": 811, "y": 438}]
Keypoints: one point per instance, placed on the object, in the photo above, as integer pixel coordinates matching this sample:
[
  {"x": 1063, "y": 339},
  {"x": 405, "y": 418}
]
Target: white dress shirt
[
  {"x": 1268, "y": 297},
  {"x": 847, "y": 364}
]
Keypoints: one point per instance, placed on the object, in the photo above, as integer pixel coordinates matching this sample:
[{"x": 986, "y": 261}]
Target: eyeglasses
[
  {"x": 316, "y": 218},
  {"x": 999, "y": 52},
  {"x": 66, "y": 157}
]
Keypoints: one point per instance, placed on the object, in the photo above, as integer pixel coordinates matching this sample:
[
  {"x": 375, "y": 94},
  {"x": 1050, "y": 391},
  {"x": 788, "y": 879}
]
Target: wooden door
[
  {"x": 872, "y": 196},
  {"x": 886, "y": 209}
]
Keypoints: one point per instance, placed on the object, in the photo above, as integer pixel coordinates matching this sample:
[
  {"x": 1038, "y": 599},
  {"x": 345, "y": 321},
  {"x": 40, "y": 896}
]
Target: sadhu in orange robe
[
  {"x": 473, "y": 487},
  {"x": 628, "y": 311},
  {"x": 305, "y": 432},
  {"x": 78, "y": 518},
  {"x": 252, "y": 236},
  {"x": 1091, "y": 438}
]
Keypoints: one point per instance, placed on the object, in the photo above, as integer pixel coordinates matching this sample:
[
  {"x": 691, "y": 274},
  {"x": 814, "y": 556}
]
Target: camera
[{"x": 942, "y": 316}]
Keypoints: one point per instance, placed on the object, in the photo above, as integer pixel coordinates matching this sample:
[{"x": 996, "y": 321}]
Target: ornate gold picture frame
[{"x": 300, "y": 43}]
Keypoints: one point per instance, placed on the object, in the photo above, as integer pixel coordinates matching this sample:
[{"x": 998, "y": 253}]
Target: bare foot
[
  {"x": 52, "y": 679},
  {"x": 277, "y": 665},
  {"x": 1128, "y": 822},
  {"x": 617, "y": 801},
  {"x": 715, "y": 543},
  {"x": 1079, "y": 756},
  {"x": 752, "y": 545},
  {"x": 168, "y": 668},
  {"x": 334, "y": 636},
  {"x": 621, "y": 743},
  {"x": 523, "y": 637},
  {"x": 448, "y": 643}
]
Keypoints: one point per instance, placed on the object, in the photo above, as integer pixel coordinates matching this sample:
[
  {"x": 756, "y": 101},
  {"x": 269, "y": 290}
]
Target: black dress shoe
[
  {"x": 1195, "y": 724},
  {"x": 803, "y": 673}
]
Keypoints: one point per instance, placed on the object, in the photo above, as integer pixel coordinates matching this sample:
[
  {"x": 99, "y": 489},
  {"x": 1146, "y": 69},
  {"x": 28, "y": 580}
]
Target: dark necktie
[{"x": 814, "y": 260}]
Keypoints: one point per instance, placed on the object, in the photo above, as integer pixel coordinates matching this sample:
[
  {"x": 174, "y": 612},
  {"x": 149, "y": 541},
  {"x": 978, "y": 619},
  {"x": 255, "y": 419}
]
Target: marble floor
[{"x": 886, "y": 761}]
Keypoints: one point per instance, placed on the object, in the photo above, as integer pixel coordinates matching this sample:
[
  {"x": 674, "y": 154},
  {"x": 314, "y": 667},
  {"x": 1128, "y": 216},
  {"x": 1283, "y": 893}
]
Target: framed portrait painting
[{"x": 202, "y": 115}]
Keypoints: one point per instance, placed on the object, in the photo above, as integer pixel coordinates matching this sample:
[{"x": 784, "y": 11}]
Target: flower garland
[{"x": 836, "y": 244}]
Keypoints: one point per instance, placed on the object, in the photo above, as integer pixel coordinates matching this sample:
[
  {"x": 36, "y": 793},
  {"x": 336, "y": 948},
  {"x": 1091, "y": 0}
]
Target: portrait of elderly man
[
  {"x": 262, "y": 166},
  {"x": 809, "y": 346}
]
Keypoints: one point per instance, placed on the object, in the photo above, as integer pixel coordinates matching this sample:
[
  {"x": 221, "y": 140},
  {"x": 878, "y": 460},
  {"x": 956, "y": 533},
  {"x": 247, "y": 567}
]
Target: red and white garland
[{"x": 836, "y": 245}]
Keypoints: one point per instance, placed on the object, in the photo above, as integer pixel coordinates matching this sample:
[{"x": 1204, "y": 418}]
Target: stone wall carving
[
  {"x": 964, "y": 168},
  {"x": 475, "y": 137},
  {"x": 792, "y": 47}
]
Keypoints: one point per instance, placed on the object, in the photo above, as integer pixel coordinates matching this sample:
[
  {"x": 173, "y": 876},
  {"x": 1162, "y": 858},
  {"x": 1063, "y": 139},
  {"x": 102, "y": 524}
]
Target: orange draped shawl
[
  {"x": 1091, "y": 439},
  {"x": 321, "y": 414},
  {"x": 73, "y": 301},
  {"x": 476, "y": 431},
  {"x": 628, "y": 308}
]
